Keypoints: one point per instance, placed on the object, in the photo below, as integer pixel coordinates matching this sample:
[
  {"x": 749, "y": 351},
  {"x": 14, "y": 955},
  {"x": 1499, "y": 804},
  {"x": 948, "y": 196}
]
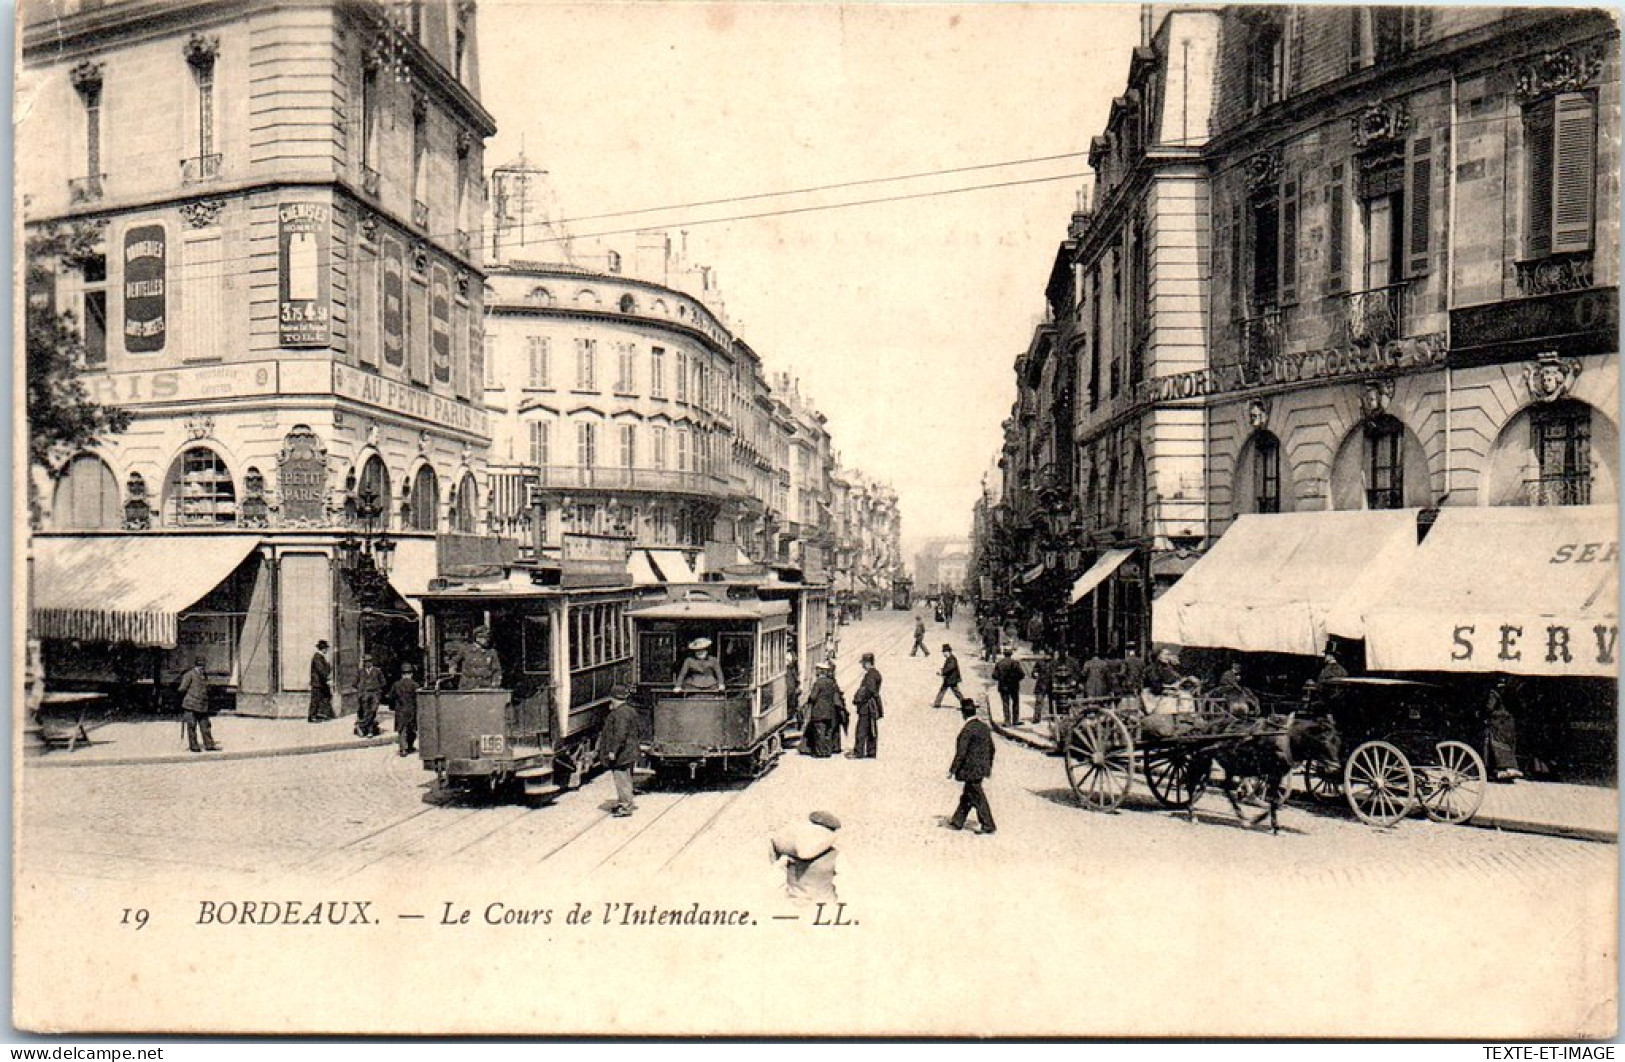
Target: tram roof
[
  {"x": 512, "y": 585},
  {"x": 711, "y": 610}
]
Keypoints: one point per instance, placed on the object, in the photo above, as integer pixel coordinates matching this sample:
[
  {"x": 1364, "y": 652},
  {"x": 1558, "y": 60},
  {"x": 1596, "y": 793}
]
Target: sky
[{"x": 901, "y": 320}]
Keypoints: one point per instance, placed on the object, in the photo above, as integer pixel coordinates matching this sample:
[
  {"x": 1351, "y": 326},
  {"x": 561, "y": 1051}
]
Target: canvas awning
[
  {"x": 127, "y": 589},
  {"x": 651, "y": 567},
  {"x": 1523, "y": 590},
  {"x": 1281, "y": 582},
  {"x": 412, "y": 566},
  {"x": 1109, "y": 562}
]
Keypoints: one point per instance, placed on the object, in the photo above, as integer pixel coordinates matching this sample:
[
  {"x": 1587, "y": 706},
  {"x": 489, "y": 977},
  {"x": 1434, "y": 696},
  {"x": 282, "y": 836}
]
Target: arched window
[
  {"x": 424, "y": 501},
  {"x": 372, "y": 492},
  {"x": 465, "y": 505},
  {"x": 1384, "y": 463},
  {"x": 1560, "y": 436},
  {"x": 86, "y": 497},
  {"x": 1266, "y": 472},
  {"x": 199, "y": 489}
]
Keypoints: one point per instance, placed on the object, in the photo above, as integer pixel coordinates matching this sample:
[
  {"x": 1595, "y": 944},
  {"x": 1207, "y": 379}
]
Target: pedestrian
[
  {"x": 1007, "y": 676},
  {"x": 194, "y": 690},
  {"x": 618, "y": 746},
  {"x": 919, "y": 638},
  {"x": 866, "y": 739},
  {"x": 321, "y": 685},
  {"x": 1035, "y": 630},
  {"x": 826, "y": 714},
  {"x": 973, "y": 764},
  {"x": 403, "y": 696},
  {"x": 950, "y": 676},
  {"x": 369, "y": 687},
  {"x": 1163, "y": 674},
  {"x": 1501, "y": 733},
  {"x": 990, "y": 638},
  {"x": 1131, "y": 673},
  {"x": 1097, "y": 678},
  {"x": 809, "y": 853},
  {"x": 479, "y": 666}
]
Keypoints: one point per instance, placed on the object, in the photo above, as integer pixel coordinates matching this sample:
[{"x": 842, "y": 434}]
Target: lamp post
[{"x": 368, "y": 558}]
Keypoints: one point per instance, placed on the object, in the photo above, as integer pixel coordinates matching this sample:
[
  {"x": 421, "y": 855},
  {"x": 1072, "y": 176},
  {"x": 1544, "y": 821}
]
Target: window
[
  {"x": 587, "y": 444},
  {"x": 629, "y": 445},
  {"x": 1266, "y": 473},
  {"x": 586, "y": 365},
  {"x": 539, "y": 350},
  {"x": 369, "y": 117},
  {"x": 1266, "y": 237},
  {"x": 657, "y": 372},
  {"x": 88, "y": 81},
  {"x": 373, "y": 489},
  {"x": 87, "y": 497},
  {"x": 1382, "y": 200},
  {"x": 627, "y": 364},
  {"x": 541, "y": 454},
  {"x": 201, "y": 490},
  {"x": 659, "y": 456},
  {"x": 682, "y": 450},
  {"x": 93, "y": 306},
  {"x": 492, "y": 375},
  {"x": 1561, "y": 162},
  {"x": 200, "y": 57},
  {"x": 424, "y": 501},
  {"x": 465, "y": 506},
  {"x": 1561, "y": 439},
  {"x": 682, "y": 376},
  {"x": 1383, "y": 34},
  {"x": 420, "y": 153},
  {"x": 1266, "y": 65},
  {"x": 536, "y": 637},
  {"x": 1384, "y": 464}
]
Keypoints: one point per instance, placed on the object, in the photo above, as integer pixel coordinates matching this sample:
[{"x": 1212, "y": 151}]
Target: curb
[
  {"x": 218, "y": 757},
  {"x": 1025, "y": 739}
]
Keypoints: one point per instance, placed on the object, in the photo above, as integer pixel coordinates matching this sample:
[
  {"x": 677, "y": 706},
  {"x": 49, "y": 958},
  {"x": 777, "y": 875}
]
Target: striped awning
[{"x": 127, "y": 589}]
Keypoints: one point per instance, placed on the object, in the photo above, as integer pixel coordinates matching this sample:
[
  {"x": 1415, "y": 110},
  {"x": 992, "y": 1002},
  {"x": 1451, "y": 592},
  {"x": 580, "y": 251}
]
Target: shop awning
[
  {"x": 1272, "y": 582},
  {"x": 1529, "y": 591},
  {"x": 410, "y": 569},
  {"x": 1109, "y": 562},
  {"x": 651, "y": 567},
  {"x": 127, "y": 589}
]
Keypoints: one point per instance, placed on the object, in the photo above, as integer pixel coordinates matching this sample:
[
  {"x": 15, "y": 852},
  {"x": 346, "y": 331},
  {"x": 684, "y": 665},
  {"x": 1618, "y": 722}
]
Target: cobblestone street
[{"x": 1166, "y": 895}]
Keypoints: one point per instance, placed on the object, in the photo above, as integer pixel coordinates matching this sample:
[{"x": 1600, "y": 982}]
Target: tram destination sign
[{"x": 1408, "y": 353}]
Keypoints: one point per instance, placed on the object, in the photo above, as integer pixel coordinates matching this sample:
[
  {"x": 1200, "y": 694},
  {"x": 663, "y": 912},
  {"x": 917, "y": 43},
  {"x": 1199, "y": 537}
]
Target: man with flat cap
[
  {"x": 194, "y": 689},
  {"x": 321, "y": 685},
  {"x": 618, "y": 746},
  {"x": 973, "y": 763},
  {"x": 701, "y": 672},
  {"x": 866, "y": 739},
  {"x": 479, "y": 667}
]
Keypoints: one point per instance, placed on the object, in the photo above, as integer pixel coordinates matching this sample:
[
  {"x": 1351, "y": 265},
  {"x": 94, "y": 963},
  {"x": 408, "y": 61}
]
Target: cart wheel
[
  {"x": 1379, "y": 783},
  {"x": 1100, "y": 761},
  {"x": 1168, "y": 778},
  {"x": 1452, "y": 789},
  {"x": 1322, "y": 780}
]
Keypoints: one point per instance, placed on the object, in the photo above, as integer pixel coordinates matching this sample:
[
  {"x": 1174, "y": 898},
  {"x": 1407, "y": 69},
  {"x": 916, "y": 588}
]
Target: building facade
[{"x": 283, "y": 290}]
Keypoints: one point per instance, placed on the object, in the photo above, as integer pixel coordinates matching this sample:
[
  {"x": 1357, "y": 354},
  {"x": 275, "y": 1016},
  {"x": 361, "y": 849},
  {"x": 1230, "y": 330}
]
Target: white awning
[
  {"x": 412, "y": 566},
  {"x": 1109, "y": 562},
  {"x": 652, "y": 567},
  {"x": 1282, "y": 582},
  {"x": 1523, "y": 590},
  {"x": 127, "y": 589}
]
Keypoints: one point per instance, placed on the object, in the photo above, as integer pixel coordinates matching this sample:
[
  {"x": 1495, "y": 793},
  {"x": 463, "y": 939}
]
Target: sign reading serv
[
  {"x": 145, "y": 259},
  {"x": 410, "y": 401},
  {"x": 304, "y": 234}
]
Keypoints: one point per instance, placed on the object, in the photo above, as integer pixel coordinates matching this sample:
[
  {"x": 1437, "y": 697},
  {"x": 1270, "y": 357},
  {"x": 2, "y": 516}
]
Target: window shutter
[
  {"x": 1574, "y": 151},
  {"x": 1337, "y": 278},
  {"x": 1288, "y": 242},
  {"x": 1419, "y": 206}
]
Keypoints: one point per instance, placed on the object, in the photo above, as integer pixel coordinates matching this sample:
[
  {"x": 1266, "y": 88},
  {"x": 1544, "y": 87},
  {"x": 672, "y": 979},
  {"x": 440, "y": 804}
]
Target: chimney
[
  {"x": 1146, "y": 28},
  {"x": 653, "y": 256}
]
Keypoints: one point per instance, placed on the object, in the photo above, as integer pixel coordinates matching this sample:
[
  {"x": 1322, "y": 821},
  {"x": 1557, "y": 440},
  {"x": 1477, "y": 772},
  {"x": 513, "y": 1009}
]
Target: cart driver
[
  {"x": 479, "y": 667},
  {"x": 701, "y": 672}
]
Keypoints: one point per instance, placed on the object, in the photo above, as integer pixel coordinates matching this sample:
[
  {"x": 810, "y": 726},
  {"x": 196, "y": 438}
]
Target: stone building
[{"x": 284, "y": 292}]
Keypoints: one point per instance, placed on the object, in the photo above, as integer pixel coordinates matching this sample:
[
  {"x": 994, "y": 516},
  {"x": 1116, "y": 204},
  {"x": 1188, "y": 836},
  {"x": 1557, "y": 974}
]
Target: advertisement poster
[
  {"x": 440, "y": 323},
  {"x": 304, "y": 234},
  {"x": 394, "y": 281},
  {"x": 145, "y": 258}
]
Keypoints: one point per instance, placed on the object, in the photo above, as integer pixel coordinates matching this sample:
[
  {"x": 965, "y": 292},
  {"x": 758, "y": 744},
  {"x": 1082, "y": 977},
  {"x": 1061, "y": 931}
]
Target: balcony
[
  {"x": 420, "y": 214},
  {"x": 87, "y": 189},
  {"x": 370, "y": 181},
  {"x": 1555, "y": 275},
  {"x": 200, "y": 168},
  {"x": 1263, "y": 335},
  {"x": 578, "y": 477},
  {"x": 1374, "y": 317},
  {"x": 1562, "y": 489}
]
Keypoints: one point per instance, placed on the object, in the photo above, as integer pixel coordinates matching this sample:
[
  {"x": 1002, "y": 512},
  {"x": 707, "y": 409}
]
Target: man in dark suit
[
  {"x": 618, "y": 746},
  {"x": 866, "y": 741},
  {"x": 950, "y": 676},
  {"x": 1007, "y": 676},
  {"x": 321, "y": 685},
  {"x": 973, "y": 762},
  {"x": 194, "y": 689}
]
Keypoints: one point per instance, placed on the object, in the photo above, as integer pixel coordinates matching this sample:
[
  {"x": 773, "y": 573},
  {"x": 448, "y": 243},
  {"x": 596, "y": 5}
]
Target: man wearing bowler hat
[
  {"x": 973, "y": 763},
  {"x": 618, "y": 746},
  {"x": 866, "y": 739},
  {"x": 321, "y": 685}
]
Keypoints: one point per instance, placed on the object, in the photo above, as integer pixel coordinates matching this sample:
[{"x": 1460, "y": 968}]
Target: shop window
[
  {"x": 201, "y": 490},
  {"x": 1561, "y": 158},
  {"x": 86, "y": 497},
  {"x": 1561, "y": 439},
  {"x": 1384, "y": 464},
  {"x": 424, "y": 501}
]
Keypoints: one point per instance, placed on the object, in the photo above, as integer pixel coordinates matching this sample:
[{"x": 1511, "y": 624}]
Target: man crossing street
[
  {"x": 973, "y": 763},
  {"x": 919, "y": 638},
  {"x": 950, "y": 676}
]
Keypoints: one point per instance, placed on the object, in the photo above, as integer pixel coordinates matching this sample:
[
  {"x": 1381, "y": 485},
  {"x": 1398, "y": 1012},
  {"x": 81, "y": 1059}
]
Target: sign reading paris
[
  {"x": 302, "y": 478},
  {"x": 303, "y": 238}
]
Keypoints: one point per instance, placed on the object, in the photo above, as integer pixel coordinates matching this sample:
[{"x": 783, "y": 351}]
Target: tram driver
[
  {"x": 701, "y": 672},
  {"x": 478, "y": 666}
]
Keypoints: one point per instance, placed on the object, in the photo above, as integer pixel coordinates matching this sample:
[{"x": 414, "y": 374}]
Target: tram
[
  {"x": 902, "y": 594},
  {"x": 711, "y": 674},
  {"x": 527, "y": 720}
]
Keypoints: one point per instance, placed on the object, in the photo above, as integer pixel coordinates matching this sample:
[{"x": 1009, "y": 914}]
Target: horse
[{"x": 1265, "y": 760}]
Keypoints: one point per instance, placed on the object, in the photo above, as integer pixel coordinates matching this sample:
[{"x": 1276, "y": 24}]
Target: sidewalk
[
  {"x": 1559, "y": 809},
  {"x": 123, "y": 741}
]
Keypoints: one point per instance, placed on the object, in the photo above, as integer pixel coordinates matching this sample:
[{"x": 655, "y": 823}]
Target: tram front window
[
  {"x": 737, "y": 652},
  {"x": 701, "y": 671},
  {"x": 467, "y": 660}
]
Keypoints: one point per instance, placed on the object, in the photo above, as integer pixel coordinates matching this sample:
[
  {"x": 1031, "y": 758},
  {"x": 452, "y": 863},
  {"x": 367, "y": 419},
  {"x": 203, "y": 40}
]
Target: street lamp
[{"x": 367, "y": 558}]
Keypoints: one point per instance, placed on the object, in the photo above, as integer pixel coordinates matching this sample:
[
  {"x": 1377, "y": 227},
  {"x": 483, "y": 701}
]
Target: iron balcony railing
[
  {"x": 1263, "y": 335},
  {"x": 1375, "y": 316},
  {"x": 87, "y": 189},
  {"x": 579, "y": 477},
  {"x": 1562, "y": 489},
  {"x": 200, "y": 168}
]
